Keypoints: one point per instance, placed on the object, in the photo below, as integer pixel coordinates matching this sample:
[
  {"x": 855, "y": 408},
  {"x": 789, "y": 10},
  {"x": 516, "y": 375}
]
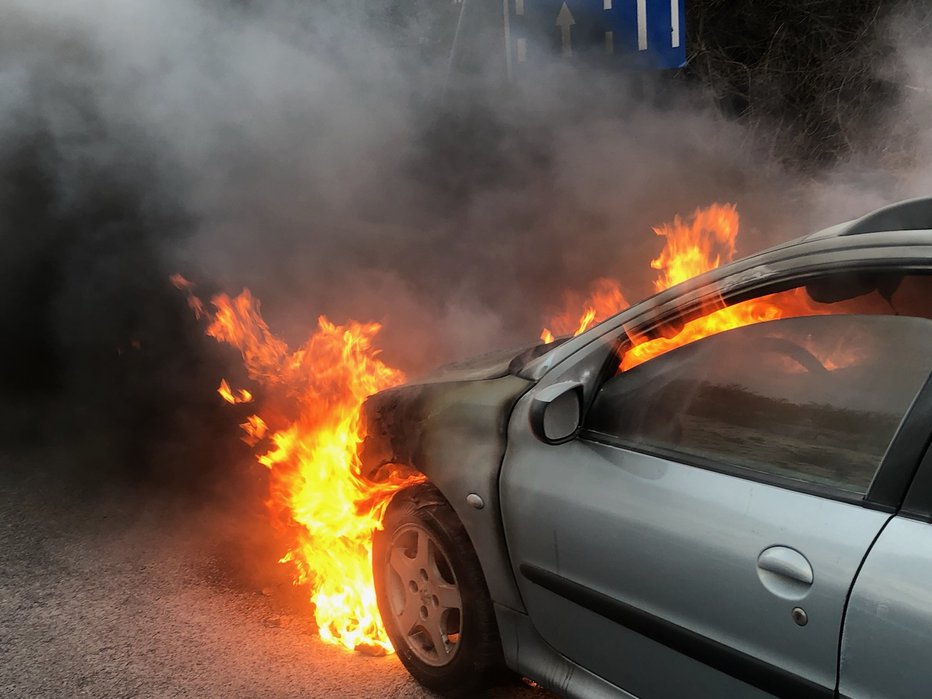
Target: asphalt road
[{"x": 117, "y": 592}]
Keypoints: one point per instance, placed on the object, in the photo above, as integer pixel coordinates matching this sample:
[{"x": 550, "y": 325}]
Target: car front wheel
[{"x": 432, "y": 596}]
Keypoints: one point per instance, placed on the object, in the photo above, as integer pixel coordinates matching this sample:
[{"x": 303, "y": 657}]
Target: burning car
[{"x": 721, "y": 491}]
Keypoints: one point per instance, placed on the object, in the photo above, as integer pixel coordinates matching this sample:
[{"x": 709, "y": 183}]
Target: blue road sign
[{"x": 629, "y": 33}]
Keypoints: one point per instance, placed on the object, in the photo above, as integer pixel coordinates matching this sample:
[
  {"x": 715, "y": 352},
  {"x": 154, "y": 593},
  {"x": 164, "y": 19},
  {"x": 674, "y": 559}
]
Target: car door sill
[{"x": 741, "y": 666}]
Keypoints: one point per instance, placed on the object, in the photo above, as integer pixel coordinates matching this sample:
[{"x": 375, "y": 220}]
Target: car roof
[
  {"x": 879, "y": 228},
  {"x": 909, "y": 215},
  {"x": 899, "y": 235}
]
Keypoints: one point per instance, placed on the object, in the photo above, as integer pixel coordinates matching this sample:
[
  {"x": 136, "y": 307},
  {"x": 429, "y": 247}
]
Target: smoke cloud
[{"x": 334, "y": 158}]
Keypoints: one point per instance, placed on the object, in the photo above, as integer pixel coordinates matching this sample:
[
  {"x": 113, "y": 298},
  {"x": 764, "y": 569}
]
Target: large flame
[
  {"x": 308, "y": 428},
  {"x": 692, "y": 247},
  {"x": 695, "y": 246}
]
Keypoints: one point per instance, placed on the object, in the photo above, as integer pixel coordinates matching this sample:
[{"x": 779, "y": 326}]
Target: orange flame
[
  {"x": 697, "y": 246},
  {"x": 317, "y": 494},
  {"x": 702, "y": 244},
  {"x": 187, "y": 286},
  {"x": 783, "y": 305},
  {"x": 255, "y": 430},
  {"x": 692, "y": 247},
  {"x": 603, "y": 300},
  {"x": 240, "y": 396}
]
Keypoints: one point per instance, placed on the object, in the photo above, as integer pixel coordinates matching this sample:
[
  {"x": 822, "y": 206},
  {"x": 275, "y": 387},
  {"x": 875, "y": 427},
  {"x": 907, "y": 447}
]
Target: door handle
[{"x": 787, "y": 563}]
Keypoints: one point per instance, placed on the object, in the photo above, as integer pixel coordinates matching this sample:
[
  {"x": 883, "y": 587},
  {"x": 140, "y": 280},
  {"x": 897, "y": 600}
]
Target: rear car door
[{"x": 701, "y": 535}]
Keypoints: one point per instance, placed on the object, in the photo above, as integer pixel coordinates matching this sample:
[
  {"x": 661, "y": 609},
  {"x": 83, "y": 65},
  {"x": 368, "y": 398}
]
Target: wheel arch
[{"x": 454, "y": 434}]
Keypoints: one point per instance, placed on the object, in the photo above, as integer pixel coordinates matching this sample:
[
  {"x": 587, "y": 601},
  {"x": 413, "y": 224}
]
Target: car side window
[{"x": 811, "y": 399}]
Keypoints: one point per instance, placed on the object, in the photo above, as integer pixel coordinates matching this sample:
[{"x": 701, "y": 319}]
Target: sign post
[{"x": 619, "y": 33}]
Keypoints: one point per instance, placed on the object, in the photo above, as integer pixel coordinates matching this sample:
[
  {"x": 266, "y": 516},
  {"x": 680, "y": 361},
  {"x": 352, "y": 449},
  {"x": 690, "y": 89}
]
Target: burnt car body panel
[
  {"x": 453, "y": 433},
  {"x": 456, "y": 431}
]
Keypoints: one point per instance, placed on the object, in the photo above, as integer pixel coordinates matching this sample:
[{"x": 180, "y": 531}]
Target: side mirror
[{"x": 556, "y": 411}]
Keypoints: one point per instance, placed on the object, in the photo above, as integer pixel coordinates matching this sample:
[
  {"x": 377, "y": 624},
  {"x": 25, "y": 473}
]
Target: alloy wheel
[{"x": 424, "y": 596}]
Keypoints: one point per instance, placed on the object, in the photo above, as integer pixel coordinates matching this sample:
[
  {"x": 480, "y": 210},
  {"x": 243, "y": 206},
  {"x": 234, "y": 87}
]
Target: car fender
[{"x": 454, "y": 433}]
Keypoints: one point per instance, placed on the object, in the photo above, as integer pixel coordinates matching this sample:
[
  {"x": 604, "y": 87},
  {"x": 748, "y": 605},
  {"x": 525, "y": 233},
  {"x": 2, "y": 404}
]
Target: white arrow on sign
[
  {"x": 675, "y": 22},
  {"x": 565, "y": 20},
  {"x": 642, "y": 25}
]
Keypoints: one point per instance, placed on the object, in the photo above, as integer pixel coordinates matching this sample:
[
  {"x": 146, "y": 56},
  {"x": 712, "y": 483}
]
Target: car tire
[{"x": 433, "y": 597}]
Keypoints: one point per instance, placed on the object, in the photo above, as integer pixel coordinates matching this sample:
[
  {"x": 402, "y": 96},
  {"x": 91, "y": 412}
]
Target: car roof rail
[{"x": 909, "y": 215}]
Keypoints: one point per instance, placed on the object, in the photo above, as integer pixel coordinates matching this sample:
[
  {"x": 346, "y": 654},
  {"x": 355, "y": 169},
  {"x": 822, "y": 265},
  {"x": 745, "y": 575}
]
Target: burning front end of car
[{"x": 399, "y": 422}]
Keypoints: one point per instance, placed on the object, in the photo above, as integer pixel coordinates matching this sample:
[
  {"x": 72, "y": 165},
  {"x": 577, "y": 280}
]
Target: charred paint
[{"x": 454, "y": 433}]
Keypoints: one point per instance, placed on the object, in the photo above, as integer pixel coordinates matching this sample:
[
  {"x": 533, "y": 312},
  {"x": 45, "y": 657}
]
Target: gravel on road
[{"x": 127, "y": 594}]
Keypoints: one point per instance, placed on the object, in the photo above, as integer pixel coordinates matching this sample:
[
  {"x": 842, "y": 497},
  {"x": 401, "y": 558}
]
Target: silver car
[{"x": 743, "y": 515}]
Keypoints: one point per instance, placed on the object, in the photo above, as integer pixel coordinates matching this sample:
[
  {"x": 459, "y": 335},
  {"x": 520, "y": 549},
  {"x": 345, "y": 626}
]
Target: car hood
[
  {"x": 466, "y": 402},
  {"x": 491, "y": 365}
]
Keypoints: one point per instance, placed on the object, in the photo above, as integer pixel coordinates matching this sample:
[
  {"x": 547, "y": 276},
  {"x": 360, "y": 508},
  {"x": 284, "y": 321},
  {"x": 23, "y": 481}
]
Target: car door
[{"x": 700, "y": 536}]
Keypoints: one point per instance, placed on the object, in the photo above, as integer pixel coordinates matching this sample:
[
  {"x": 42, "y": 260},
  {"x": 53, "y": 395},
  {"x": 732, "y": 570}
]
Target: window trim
[
  {"x": 917, "y": 504},
  {"x": 911, "y": 445},
  {"x": 917, "y": 500},
  {"x": 905, "y": 453}
]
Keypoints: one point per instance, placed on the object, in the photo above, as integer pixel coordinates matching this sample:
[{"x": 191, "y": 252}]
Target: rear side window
[{"x": 811, "y": 399}]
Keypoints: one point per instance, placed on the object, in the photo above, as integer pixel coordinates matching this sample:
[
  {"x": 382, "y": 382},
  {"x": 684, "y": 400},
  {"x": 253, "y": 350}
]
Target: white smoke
[{"x": 302, "y": 150}]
